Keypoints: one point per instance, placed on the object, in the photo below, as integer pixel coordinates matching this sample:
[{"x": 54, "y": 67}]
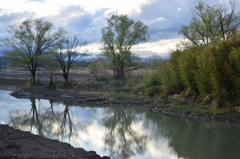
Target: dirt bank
[
  {"x": 16, "y": 144},
  {"x": 104, "y": 98}
]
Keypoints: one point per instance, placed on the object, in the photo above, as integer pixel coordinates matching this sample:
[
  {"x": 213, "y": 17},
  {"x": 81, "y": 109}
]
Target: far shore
[
  {"x": 78, "y": 95},
  {"x": 15, "y": 83}
]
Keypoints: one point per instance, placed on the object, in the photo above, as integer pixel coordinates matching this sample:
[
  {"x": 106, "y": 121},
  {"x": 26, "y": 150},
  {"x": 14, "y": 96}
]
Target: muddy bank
[
  {"x": 197, "y": 115},
  {"x": 76, "y": 97},
  {"x": 16, "y": 144},
  {"x": 103, "y": 98}
]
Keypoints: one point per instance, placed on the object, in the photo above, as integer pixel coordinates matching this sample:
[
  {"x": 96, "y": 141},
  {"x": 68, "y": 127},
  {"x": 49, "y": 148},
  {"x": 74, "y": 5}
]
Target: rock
[{"x": 155, "y": 110}]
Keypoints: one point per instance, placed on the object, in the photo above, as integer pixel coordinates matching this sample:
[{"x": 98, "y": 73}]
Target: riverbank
[
  {"x": 170, "y": 106},
  {"x": 119, "y": 93},
  {"x": 16, "y": 144}
]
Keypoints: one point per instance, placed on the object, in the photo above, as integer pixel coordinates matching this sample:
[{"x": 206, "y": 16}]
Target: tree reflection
[
  {"x": 196, "y": 139},
  {"x": 48, "y": 121},
  {"x": 130, "y": 132},
  {"x": 122, "y": 140}
]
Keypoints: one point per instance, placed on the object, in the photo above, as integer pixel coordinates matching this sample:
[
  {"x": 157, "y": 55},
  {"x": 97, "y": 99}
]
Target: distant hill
[
  {"x": 90, "y": 57},
  {"x": 3, "y": 62},
  {"x": 156, "y": 57}
]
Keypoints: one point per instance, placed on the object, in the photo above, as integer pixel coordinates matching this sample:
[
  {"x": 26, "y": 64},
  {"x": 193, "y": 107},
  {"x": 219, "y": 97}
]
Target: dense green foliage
[
  {"x": 202, "y": 71},
  {"x": 206, "y": 66}
]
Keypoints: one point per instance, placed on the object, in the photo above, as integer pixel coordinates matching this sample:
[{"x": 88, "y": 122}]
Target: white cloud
[
  {"x": 161, "y": 47},
  {"x": 87, "y": 17},
  {"x": 52, "y": 7},
  {"x": 94, "y": 134},
  {"x": 93, "y": 47},
  {"x": 160, "y": 149},
  {"x": 157, "y": 20}
]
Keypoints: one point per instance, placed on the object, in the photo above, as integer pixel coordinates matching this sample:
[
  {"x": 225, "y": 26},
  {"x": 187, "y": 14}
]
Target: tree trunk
[
  {"x": 32, "y": 80},
  {"x": 51, "y": 80},
  {"x": 65, "y": 76}
]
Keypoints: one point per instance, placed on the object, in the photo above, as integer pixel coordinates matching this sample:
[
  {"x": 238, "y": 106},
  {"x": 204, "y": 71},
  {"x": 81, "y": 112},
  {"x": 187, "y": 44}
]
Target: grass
[
  {"x": 219, "y": 111},
  {"x": 126, "y": 95}
]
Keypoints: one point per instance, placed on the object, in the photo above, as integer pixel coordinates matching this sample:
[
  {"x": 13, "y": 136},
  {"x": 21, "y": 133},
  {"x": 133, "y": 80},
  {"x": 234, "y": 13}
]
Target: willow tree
[
  {"x": 28, "y": 41},
  {"x": 118, "y": 37},
  {"x": 211, "y": 22}
]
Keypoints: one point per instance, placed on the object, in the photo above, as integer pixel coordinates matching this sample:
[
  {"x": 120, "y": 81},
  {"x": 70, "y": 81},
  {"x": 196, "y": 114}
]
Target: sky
[{"x": 86, "y": 17}]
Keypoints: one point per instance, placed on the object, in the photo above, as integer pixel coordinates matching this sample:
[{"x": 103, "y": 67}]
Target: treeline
[
  {"x": 207, "y": 64},
  {"x": 205, "y": 71},
  {"x": 35, "y": 43}
]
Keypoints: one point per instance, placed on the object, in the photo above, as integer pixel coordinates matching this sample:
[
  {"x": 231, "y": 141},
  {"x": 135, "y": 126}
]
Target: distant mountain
[
  {"x": 3, "y": 63},
  {"x": 159, "y": 57},
  {"x": 90, "y": 57},
  {"x": 156, "y": 57}
]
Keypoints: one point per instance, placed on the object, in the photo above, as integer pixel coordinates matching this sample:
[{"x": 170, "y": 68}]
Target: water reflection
[
  {"x": 120, "y": 136},
  {"x": 198, "y": 139},
  {"x": 121, "y": 132},
  {"x": 48, "y": 122}
]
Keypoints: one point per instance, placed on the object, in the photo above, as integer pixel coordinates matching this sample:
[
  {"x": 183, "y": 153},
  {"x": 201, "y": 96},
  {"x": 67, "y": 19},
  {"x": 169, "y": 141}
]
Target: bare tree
[
  {"x": 67, "y": 53},
  {"x": 29, "y": 40}
]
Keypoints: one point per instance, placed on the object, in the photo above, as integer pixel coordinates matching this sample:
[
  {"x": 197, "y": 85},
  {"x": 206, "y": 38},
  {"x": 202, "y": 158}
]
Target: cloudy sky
[{"x": 87, "y": 17}]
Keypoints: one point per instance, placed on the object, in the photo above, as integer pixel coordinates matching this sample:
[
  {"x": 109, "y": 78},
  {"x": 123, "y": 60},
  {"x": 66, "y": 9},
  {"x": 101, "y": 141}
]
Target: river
[{"x": 122, "y": 132}]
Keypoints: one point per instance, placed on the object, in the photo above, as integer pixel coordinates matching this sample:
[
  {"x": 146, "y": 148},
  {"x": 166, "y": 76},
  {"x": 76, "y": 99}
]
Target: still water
[{"x": 120, "y": 132}]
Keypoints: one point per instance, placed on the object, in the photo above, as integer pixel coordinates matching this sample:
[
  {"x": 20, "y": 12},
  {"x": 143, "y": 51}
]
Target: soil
[{"x": 16, "y": 144}]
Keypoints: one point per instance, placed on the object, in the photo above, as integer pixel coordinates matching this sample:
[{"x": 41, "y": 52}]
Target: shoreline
[
  {"x": 102, "y": 98},
  {"x": 19, "y": 144}
]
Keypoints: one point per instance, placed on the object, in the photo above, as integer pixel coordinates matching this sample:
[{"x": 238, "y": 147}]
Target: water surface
[{"x": 121, "y": 132}]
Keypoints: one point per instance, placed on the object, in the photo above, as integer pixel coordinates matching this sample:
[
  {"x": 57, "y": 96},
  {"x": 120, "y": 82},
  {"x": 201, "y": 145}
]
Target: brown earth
[
  {"x": 13, "y": 80},
  {"x": 16, "y": 144}
]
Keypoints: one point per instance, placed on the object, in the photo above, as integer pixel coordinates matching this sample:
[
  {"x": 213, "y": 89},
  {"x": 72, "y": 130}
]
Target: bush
[
  {"x": 97, "y": 69},
  {"x": 149, "y": 83},
  {"x": 205, "y": 70}
]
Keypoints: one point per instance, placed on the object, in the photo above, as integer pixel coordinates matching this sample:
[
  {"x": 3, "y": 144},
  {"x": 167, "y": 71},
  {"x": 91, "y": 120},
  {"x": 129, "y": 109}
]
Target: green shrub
[{"x": 149, "y": 84}]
